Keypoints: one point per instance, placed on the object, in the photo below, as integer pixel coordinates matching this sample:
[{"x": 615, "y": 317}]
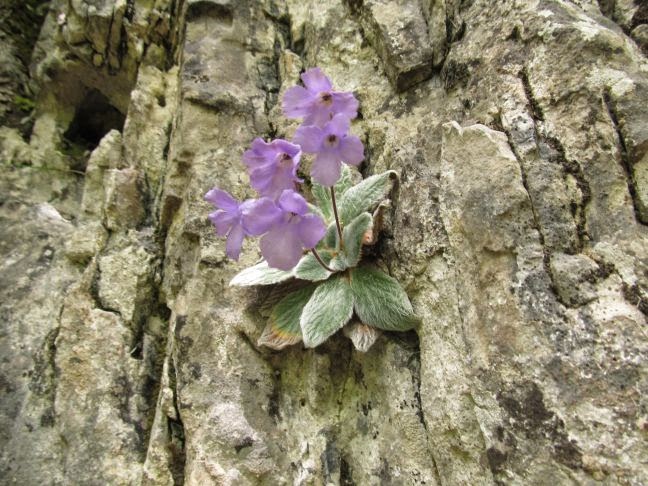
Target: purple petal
[
  {"x": 222, "y": 221},
  {"x": 339, "y": 125},
  {"x": 285, "y": 147},
  {"x": 262, "y": 147},
  {"x": 296, "y": 102},
  {"x": 222, "y": 200},
  {"x": 309, "y": 138},
  {"x": 346, "y": 104},
  {"x": 318, "y": 115},
  {"x": 326, "y": 168},
  {"x": 293, "y": 202},
  {"x": 252, "y": 159},
  {"x": 351, "y": 150},
  {"x": 259, "y": 216},
  {"x": 284, "y": 178},
  {"x": 315, "y": 80},
  {"x": 234, "y": 242},
  {"x": 311, "y": 230},
  {"x": 258, "y": 154},
  {"x": 261, "y": 177},
  {"x": 281, "y": 247}
]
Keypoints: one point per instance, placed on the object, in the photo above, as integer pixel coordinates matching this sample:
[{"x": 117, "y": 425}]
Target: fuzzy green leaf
[
  {"x": 283, "y": 327},
  {"x": 260, "y": 274},
  {"x": 316, "y": 211},
  {"x": 309, "y": 268},
  {"x": 329, "y": 308},
  {"x": 346, "y": 179},
  {"x": 339, "y": 262},
  {"x": 352, "y": 235},
  {"x": 323, "y": 199},
  {"x": 362, "y": 336},
  {"x": 380, "y": 301},
  {"x": 365, "y": 195},
  {"x": 331, "y": 239},
  {"x": 322, "y": 194}
]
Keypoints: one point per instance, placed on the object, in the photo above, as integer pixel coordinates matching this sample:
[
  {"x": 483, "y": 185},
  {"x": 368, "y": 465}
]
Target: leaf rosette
[{"x": 345, "y": 292}]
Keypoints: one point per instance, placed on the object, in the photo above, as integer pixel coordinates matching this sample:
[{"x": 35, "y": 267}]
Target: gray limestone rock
[
  {"x": 518, "y": 229},
  {"x": 574, "y": 277},
  {"x": 399, "y": 32}
]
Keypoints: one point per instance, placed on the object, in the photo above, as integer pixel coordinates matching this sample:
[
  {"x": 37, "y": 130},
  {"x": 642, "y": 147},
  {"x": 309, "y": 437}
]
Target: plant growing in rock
[{"x": 338, "y": 290}]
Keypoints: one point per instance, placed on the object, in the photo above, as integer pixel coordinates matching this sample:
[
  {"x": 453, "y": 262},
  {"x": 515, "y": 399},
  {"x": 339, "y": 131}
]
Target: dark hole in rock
[
  {"x": 211, "y": 9},
  {"x": 94, "y": 117}
]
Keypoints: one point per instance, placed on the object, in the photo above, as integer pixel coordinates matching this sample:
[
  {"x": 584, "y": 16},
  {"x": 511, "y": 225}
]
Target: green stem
[
  {"x": 321, "y": 262},
  {"x": 337, "y": 218}
]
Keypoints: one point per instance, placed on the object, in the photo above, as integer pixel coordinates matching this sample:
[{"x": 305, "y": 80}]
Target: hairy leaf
[
  {"x": 329, "y": 308},
  {"x": 353, "y": 236},
  {"x": 260, "y": 274},
  {"x": 346, "y": 179},
  {"x": 309, "y": 268},
  {"x": 331, "y": 238},
  {"x": 362, "y": 336},
  {"x": 322, "y": 194},
  {"x": 365, "y": 195},
  {"x": 380, "y": 301},
  {"x": 339, "y": 262},
  {"x": 316, "y": 211},
  {"x": 283, "y": 327}
]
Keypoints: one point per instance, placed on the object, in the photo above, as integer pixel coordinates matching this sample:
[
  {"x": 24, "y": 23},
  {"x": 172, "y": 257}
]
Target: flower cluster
[{"x": 281, "y": 215}]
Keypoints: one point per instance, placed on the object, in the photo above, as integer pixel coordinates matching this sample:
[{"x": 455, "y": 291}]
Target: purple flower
[
  {"x": 317, "y": 102},
  {"x": 294, "y": 229},
  {"x": 332, "y": 146},
  {"x": 272, "y": 166},
  {"x": 236, "y": 220}
]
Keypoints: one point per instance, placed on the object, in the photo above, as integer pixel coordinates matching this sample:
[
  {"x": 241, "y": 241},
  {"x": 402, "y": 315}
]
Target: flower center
[
  {"x": 285, "y": 159},
  {"x": 326, "y": 98},
  {"x": 331, "y": 140}
]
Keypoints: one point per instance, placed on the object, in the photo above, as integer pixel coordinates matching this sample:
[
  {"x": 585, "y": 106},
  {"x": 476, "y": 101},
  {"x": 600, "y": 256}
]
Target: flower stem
[
  {"x": 321, "y": 262},
  {"x": 335, "y": 212}
]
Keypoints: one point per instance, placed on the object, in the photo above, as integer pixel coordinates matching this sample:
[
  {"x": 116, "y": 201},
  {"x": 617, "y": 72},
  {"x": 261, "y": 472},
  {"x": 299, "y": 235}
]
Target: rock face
[{"x": 520, "y": 134}]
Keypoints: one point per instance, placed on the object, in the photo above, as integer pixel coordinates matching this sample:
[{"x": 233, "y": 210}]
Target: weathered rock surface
[{"x": 520, "y": 134}]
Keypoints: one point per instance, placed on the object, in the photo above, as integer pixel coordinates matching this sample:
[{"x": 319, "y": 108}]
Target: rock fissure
[
  {"x": 550, "y": 149},
  {"x": 623, "y": 158},
  {"x": 176, "y": 433}
]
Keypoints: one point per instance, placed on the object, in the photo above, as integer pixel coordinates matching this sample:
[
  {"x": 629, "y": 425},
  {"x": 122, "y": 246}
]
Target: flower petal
[
  {"x": 259, "y": 216},
  {"x": 259, "y": 154},
  {"x": 309, "y": 138},
  {"x": 346, "y": 104},
  {"x": 262, "y": 147},
  {"x": 234, "y": 242},
  {"x": 318, "y": 115},
  {"x": 351, "y": 150},
  {"x": 297, "y": 102},
  {"x": 281, "y": 247},
  {"x": 293, "y": 202},
  {"x": 222, "y": 221},
  {"x": 222, "y": 200},
  {"x": 315, "y": 80},
  {"x": 261, "y": 178},
  {"x": 311, "y": 230},
  {"x": 326, "y": 168},
  {"x": 284, "y": 178},
  {"x": 285, "y": 147},
  {"x": 339, "y": 125}
]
